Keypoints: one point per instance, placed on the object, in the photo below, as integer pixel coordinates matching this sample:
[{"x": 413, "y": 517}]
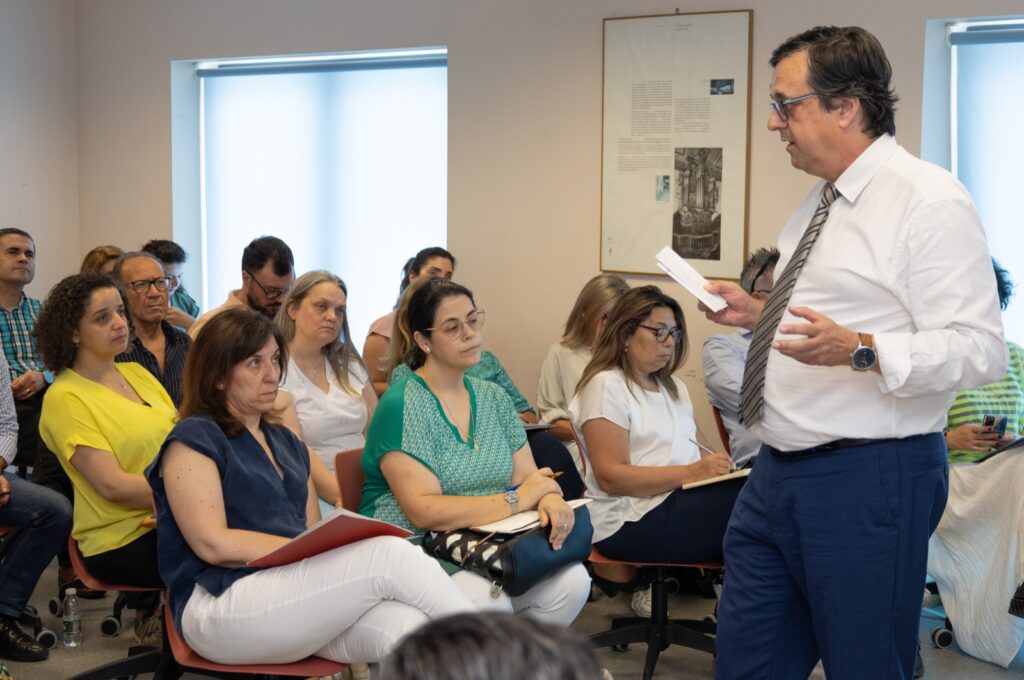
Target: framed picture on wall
[{"x": 676, "y": 141}]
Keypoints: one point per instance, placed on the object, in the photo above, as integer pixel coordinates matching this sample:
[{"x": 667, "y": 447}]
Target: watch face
[{"x": 863, "y": 358}]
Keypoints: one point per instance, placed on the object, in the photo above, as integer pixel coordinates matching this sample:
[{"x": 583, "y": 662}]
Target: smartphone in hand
[{"x": 995, "y": 424}]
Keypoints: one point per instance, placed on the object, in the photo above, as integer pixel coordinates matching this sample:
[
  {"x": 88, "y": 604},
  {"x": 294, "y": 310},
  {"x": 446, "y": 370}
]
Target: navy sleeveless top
[{"x": 255, "y": 499}]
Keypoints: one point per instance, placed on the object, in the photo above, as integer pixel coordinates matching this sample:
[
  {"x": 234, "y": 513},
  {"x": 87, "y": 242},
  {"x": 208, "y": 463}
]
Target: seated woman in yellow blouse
[{"x": 105, "y": 421}]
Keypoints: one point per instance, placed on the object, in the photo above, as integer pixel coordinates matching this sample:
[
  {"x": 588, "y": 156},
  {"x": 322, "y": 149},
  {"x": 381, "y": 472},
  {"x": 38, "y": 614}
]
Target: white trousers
[
  {"x": 556, "y": 600},
  {"x": 352, "y": 604}
]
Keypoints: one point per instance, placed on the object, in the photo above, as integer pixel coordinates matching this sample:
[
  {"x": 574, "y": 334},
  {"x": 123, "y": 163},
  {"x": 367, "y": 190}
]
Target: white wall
[
  {"x": 524, "y": 125},
  {"x": 38, "y": 132}
]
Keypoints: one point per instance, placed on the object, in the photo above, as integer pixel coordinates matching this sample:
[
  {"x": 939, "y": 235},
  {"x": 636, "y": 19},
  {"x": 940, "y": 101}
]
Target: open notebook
[{"x": 523, "y": 521}]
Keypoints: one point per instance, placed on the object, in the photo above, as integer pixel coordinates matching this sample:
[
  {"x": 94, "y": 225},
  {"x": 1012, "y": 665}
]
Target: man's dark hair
[
  {"x": 847, "y": 62},
  {"x": 1004, "y": 285},
  {"x": 759, "y": 262},
  {"x": 268, "y": 249},
  {"x": 14, "y": 230},
  {"x": 166, "y": 251}
]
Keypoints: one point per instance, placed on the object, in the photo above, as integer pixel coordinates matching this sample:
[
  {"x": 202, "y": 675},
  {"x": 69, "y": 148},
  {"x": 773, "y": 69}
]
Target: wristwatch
[
  {"x": 512, "y": 498},
  {"x": 864, "y": 357}
]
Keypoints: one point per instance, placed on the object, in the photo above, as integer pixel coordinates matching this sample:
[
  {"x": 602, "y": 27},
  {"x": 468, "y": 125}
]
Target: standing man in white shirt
[
  {"x": 884, "y": 305},
  {"x": 724, "y": 357}
]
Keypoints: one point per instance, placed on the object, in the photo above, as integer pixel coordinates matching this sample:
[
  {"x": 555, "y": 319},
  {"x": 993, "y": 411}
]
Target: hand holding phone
[{"x": 995, "y": 424}]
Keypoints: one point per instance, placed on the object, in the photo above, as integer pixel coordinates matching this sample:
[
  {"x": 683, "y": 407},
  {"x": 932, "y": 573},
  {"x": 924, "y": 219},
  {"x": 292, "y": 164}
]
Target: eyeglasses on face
[
  {"x": 142, "y": 285},
  {"x": 455, "y": 328},
  {"x": 269, "y": 291},
  {"x": 661, "y": 334},
  {"x": 781, "y": 106}
]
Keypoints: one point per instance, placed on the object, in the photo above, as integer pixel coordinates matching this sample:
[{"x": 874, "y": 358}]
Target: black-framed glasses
[
  {"x": 142, "y": 285},
  {"x": 269, "y": 291},
  {"x": 781, "y": 106},
  {"x": 661, "y": 334},
  {"x": 455, "y": 328}
]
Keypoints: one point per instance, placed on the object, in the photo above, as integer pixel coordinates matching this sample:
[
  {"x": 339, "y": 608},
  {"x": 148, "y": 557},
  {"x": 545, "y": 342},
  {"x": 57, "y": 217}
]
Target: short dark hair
[
  {"x": 229, "y": 337},
  {"x": 418, "y": 317},
  {"x": 6, "y": 231},
  {"x": 63, "y": 311},
  {"x": 1004, "y": 285},
  {"x": 166, "y": 251},
  {"x": 416, "y": 263},
  {"x": 268, "y": 249},
  {"x": 759, "y": 262},
  {"x": 847, "y": 62},
  {"x": 492, "y": 645}
]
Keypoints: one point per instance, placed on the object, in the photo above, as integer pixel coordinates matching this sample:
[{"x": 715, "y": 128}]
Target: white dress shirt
[
  {"x": 902, "y": 256},
  {"x": 332, "y": 421}
]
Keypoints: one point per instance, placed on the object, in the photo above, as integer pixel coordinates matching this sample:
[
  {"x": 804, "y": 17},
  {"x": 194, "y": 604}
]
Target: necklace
[{"x": 450, "y": 413}]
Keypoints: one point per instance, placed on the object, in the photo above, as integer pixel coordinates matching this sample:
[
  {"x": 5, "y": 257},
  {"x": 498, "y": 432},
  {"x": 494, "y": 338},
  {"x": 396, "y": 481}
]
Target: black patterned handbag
[{"x": 512, "y": 562}]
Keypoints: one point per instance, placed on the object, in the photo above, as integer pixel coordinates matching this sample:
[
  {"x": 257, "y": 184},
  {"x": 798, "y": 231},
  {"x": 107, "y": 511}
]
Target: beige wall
[
  {"x": 524, "y": 125},
  {"x": 38, "y": 131}
]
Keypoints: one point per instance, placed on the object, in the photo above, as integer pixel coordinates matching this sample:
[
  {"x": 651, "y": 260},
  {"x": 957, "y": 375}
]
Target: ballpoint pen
[{"x": 733, "y": 468}]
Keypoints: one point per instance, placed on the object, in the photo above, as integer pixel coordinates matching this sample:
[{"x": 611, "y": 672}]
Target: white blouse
[
  {"x": 660, "y": 431},
  {"x": 559, "y": 374},
  {"x": 333, "y": 421}
]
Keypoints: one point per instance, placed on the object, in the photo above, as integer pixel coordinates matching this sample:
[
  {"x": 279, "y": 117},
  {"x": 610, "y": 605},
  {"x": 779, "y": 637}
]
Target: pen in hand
[
  {"x": 732, "y": 468},
  {"x": 514, "y": 488}
]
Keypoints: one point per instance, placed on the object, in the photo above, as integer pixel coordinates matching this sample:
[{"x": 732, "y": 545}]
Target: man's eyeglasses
[
  {"x": 269, "y": 291},
  {"x": 455, "y": 328},
  {"x": 142, "y": 285},
  {"x": 781, "y": 107},
  {"x": 661, "y": 334}
]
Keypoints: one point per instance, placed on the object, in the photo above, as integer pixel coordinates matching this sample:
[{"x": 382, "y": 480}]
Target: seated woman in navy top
[{"x": 232, "y": 485}]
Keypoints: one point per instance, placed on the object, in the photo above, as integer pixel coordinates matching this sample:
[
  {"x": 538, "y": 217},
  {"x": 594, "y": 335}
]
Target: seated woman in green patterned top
[
  {"x": 444, "y": 450},
  {"x": 967, "y": 438}
]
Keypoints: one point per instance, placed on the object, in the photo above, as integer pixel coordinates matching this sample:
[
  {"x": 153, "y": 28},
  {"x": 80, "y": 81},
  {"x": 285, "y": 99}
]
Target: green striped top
[{"x": 1002, "y": 398}]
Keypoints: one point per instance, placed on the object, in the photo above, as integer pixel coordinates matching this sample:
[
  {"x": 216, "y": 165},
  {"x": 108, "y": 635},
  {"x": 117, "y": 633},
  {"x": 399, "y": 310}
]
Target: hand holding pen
[{"x": 715, "y": 456}]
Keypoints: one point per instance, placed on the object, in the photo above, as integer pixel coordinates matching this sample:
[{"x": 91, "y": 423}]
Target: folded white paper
[
  {"x": 521, "y": 521},
  {"x": 689, "y": 278}
]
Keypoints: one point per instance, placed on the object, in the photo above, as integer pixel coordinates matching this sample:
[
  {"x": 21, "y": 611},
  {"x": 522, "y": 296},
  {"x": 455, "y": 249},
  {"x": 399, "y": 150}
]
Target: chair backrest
[
  {"x": 722, "y": 432},
  {"x": 348, "y": 467}
]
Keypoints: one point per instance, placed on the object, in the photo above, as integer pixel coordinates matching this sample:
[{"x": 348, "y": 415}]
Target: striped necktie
[{"x": 752, "y": 394}]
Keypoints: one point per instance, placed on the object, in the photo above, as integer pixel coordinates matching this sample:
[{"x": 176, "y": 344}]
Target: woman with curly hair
[{"x": 106, "y": 422}]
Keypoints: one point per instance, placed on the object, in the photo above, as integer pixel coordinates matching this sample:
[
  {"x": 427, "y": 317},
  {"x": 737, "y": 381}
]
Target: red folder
[{"x": 339, "y": 528}]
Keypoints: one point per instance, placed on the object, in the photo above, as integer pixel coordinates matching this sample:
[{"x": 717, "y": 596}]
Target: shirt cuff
[
  {"x": 9, "y": 448},
  {"x": 893, "y": 351}
]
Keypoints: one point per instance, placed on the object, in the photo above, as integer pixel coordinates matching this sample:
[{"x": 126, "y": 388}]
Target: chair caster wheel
[
  {"x": 110, "y": 626},
  {"x": 620, "y": 648},
  {"x": 47, "y": 638},
  {"x": 942, "y": 637},
  {"x": 56, "y": 606},
  {"x": 711, "y": 618}
]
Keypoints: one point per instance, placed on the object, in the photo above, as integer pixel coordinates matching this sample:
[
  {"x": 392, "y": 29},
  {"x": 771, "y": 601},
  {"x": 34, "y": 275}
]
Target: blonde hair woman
[
  {"x": 563, "y": 366},
  {"x": 326, "y": 397}
]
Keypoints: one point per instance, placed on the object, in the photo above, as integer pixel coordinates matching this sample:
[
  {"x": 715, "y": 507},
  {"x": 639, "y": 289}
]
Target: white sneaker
[{"x": 642, "y": 603}]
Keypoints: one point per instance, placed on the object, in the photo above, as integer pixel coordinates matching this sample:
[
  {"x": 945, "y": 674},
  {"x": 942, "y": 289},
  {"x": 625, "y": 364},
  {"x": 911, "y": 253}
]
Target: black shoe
[
  {"x": 919, "y": 664},
  {"x": 16, "y": 645},
  {"x": 1017, "y": 602}
]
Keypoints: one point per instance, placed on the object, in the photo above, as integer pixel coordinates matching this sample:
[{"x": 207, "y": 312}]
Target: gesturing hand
[{"x": 826, "y": 342}]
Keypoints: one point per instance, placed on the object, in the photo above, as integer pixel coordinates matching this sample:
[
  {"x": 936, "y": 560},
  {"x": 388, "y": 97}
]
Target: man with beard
[{"x": 267, "y": 274}]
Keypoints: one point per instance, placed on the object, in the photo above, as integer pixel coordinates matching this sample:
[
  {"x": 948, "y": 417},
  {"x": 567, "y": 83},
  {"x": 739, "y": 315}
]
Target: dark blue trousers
[{"x": 825, "y": 558}]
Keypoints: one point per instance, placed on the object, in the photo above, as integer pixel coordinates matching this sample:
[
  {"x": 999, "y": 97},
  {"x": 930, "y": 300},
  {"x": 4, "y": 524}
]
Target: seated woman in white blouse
[
  {"x": 326, "y": 397},
  {"x": 636, "y": 425}
]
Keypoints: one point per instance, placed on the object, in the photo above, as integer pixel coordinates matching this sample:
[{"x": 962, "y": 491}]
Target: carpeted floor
[{"x": 676, "y": 663}]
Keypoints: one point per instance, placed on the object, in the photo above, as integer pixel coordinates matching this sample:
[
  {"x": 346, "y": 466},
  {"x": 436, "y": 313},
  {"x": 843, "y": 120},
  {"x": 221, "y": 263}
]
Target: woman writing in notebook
[
  {"x": 447, "y": 451},
  {"x": 637, "y": 432},
  {"x": 232, "y": 485}
]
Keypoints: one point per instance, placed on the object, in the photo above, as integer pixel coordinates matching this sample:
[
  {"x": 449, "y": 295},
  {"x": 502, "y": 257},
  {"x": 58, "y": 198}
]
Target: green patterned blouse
[
  {"x": 489, "y": 369},
  {"x": 409, "y": 418},
  {"x": 1002, "y": 398}
]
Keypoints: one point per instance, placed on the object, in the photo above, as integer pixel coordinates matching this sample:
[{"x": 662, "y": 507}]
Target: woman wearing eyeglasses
[
  {"x": 637, "y": 431},
  {"x": 444, "y": 451}
]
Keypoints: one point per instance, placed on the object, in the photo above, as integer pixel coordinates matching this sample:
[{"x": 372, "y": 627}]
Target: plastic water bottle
[{"x": 72, "y": 620}]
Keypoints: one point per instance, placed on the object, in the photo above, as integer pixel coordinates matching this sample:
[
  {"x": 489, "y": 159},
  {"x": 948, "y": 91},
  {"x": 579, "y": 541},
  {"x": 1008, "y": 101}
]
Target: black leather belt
[{"x": 827, "y": 447}]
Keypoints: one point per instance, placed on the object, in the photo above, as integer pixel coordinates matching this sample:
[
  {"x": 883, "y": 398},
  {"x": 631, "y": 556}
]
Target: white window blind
[{"x": 345, "y": 161}]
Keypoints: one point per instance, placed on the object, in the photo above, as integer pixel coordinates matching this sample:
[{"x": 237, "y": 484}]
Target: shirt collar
[{"x": 861, "y": 171}]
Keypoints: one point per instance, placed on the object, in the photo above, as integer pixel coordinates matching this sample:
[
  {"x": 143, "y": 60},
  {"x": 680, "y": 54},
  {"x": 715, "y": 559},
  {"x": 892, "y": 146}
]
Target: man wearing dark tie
[{"x": 884, "y": 305}]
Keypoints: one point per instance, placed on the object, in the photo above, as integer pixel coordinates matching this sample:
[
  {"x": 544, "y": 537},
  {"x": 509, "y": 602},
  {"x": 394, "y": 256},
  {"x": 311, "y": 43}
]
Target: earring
[{"x": 426, "y": 351}]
